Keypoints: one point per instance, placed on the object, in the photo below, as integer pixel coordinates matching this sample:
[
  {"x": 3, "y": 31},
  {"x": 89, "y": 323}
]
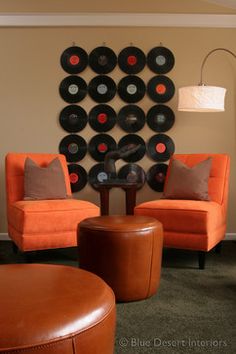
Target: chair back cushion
[
  {"x": 15, "y": 172},
  {"x": 219, "y": 173}
]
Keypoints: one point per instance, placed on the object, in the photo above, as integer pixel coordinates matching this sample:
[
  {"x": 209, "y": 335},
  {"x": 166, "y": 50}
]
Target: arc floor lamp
[{"x": 203, "y": 98}]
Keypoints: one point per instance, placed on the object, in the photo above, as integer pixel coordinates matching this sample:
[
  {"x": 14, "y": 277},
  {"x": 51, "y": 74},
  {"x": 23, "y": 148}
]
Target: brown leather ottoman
[
  {"x": 50, "y": 309},
  {"x": 125, "y": 251}
]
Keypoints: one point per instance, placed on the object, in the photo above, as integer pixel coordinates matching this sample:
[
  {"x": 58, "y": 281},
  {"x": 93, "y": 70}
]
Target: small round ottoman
[
  {"x": 52, "y": 309},
  {"x": 125, "y": 251}
]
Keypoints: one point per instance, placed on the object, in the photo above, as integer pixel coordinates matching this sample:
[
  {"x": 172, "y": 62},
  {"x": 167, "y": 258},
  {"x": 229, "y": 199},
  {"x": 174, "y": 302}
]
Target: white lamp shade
[{"x": 201, "y": 99}]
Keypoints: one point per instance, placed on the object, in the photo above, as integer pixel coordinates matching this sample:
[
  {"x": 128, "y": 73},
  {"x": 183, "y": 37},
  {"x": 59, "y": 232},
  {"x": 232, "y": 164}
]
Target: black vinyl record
[
  {"x": 74, "y": 60},
  {"x": 100, "y": 145},
  {"x": 131, "y": 89},
  {"x": 102, "y": 88},
  {"x": 73, "y": 118},
  {"x": 136, "y": 140},
  {"x": 102, "y": 60},
  {"x": 73, "y": 89},
  {"x": 78, "y": 177},
  {"x": 102, "y": 118},
  {"x": 160, "y": 147},
  {"x": 132, "y": 172},
  {"x": 156, "y": 176},
  {"x": 160, "y": 60},
  {"x": 160, "y": 118},
  {"x": 97, "y": 174},
  {"x": 74, "y": 147},
  {"x": 160, "y": 88},
  {"x": 131, "y": 118},
  {"x": 131, "y": 60}
]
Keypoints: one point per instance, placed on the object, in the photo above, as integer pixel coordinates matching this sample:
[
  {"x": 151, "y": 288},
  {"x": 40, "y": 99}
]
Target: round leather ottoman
[
  {"x": 125, "y": 251},
  {"x": 51, "y": 309}
]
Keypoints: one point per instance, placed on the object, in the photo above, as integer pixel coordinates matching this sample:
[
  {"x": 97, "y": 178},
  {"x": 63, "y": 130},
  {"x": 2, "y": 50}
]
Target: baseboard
[{"x": 230, "y": 236}]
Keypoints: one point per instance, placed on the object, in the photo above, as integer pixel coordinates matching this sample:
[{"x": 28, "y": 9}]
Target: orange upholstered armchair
[
  {"x": 42, "y": 224},
  {"x": 194, "y": 224}
]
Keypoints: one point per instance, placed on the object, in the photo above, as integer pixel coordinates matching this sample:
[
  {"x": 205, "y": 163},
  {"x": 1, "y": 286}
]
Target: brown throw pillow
[
  {"x": 188, "y": 182},
  {"x": 44, "y": 182}
]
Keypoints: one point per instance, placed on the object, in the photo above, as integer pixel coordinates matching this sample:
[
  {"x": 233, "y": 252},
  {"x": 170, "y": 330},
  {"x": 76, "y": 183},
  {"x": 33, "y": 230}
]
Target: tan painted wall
[{"x": 30, "y": 103}]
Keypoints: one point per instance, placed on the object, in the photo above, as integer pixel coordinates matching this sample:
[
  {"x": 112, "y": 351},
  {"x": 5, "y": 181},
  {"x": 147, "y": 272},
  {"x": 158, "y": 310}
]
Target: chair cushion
[
  {"x": 186, "y": 182},
  {"x": 49, "y": 216},
  {"x": 186, "y": 216},
  {"x": 44, "y": 182}
]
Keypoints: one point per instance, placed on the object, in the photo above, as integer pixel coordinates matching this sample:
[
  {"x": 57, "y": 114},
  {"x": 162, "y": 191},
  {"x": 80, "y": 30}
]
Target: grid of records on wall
[{"x": 103, "y": 117}]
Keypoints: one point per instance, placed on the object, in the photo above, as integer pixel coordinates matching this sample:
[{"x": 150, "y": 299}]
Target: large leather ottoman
[
  {"x": 125, "y": 251},
  {"x": 50, "y": 309}
]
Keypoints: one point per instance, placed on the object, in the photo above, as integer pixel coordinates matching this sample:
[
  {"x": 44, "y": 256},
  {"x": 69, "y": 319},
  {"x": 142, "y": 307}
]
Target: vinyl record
[
  {"x": 131, "y": 60},
  {"x": 132, "y": 172},
  {"x": 102, "y": 88},
  {"x": 73, "y": 118},
  {"x": 160, "y": 88},
  {"x": 102, "y": 118},
  {"x": 160, "y": 60},
  {"x": 97, "y": 174},
  {"x": 73, "y": 89},
  {"x": 136, "y": 140},
  {"x": 101, "y": 144},
  {"x": 74, "y": 60},
  {"x": 156, "y": 176},
  {"x": 131, "y": 118},
  {"x": 74, "y": 147},
  {"x": 131, "y": 89},
  {"x": 102, "y": 60},
  {"x": 78, "y": 177},
  {"x": 160, "y": 147},
  {"x": 160, "y": 118}
]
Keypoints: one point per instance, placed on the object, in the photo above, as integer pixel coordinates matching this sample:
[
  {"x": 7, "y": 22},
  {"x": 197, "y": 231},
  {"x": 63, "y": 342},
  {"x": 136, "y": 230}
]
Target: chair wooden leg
[
  {"x": 218, "y": 247},
  {"x": 201, "y": 259}
]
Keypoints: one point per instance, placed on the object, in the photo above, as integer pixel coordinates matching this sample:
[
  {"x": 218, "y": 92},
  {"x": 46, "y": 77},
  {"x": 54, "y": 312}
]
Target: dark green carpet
[{"x": 194, "y": 310}]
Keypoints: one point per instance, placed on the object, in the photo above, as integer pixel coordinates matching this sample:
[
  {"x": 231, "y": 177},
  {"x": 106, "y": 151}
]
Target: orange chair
[
  {"x": 42, "y": 224},
  {"x": 193, "y": 224}
]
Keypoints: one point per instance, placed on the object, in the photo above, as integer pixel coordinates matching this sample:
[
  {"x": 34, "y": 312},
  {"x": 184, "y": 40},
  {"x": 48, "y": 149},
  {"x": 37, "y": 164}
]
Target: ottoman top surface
[
  {"x": 120, "y": 223},
  {"x": 41, "y": 303}
]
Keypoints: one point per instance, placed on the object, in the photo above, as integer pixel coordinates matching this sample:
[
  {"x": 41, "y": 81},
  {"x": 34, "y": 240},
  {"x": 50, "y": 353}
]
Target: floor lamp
[{"x": 203, "y": 98}]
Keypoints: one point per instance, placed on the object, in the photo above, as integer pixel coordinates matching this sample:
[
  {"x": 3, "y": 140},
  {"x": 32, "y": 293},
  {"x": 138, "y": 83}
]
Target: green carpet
[{"x": 194, "y": 310}]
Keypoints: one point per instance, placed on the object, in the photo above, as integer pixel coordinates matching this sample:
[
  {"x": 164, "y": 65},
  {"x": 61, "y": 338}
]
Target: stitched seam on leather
[{"x": 151, "y": 265}]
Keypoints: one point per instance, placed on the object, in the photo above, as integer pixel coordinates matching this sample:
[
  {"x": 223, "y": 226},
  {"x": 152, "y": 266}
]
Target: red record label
[
  {"x": 102, "y": 118},
  {"x": 160, "y": 148},
  {"x": 102, "y": 147},
  {"x": 161, "y": 89},
  {"x": 74, "y": 177},
  {"x": 74, "y": 60},
  {"x": 132, "y": 60}
]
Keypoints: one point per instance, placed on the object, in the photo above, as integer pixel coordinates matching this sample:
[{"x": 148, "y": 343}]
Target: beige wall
[{"x": 30, "y": 103}]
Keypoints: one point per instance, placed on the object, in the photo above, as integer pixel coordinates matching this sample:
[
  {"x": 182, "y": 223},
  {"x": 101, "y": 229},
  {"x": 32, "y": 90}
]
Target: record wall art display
[
  {"x": 74, "y": 60},
  {"x": 160, "y": 88},
  {"x": 73, "y": 118},
  {"x": 131, "y": 118},
  {"x": 102, "y": 118},
  {"x": 136, "y": 140},
  {"x": 102, "y": 88},
  {"x": 74, "y": 147},
  {"x": 131, "y": 60},
  {"x": 73, "y": 89},
  {"x": 131, "y": 89},
  {"x": 156, "y": 176},
  {"x": 132, "y": 172},
  {"x": 78, "y": 177},
  {"x": 100, "y": 145},
  {"x": 160, "y": 147},
  {"x": 160, "y": 60},
  {"x": 97, "y": 174},
  {"x": 160, "y": 118},
  {"x": 102, "y": 60}
]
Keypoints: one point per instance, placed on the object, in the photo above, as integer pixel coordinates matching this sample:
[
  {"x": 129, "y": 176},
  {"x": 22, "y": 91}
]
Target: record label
[{"x": 74, "y": 60}]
